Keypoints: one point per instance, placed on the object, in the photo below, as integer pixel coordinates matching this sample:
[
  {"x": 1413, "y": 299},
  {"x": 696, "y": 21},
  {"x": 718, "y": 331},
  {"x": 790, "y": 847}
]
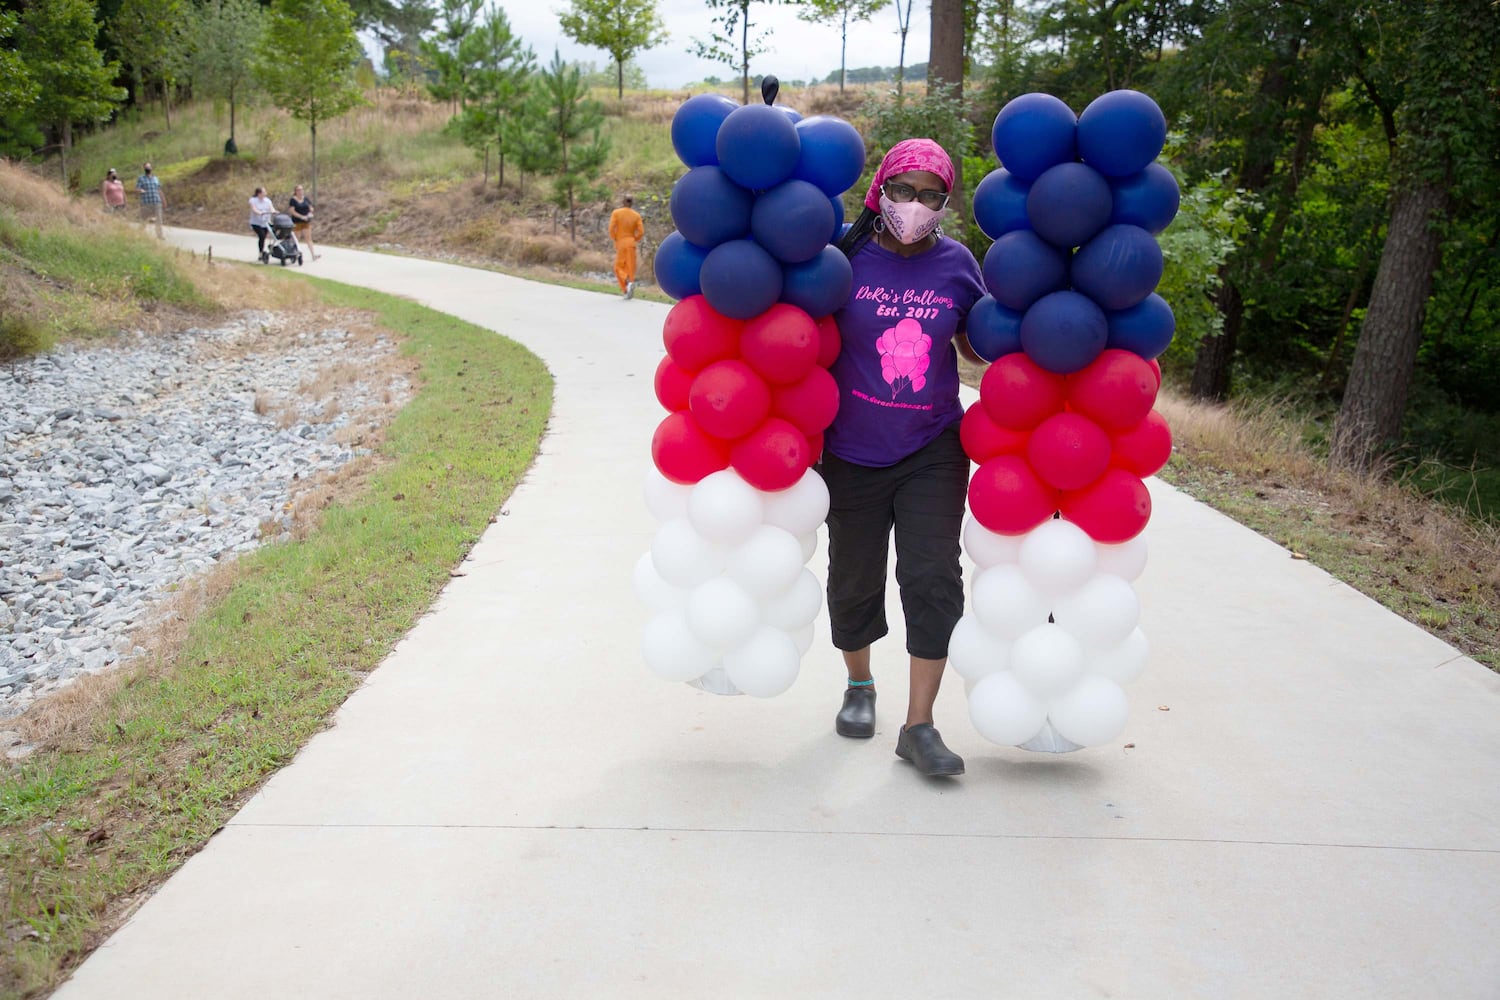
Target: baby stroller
[{"x": 285, "y": 248}]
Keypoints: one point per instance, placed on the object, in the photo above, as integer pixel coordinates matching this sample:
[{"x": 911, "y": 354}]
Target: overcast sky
[{"x": 795, "y": 49}]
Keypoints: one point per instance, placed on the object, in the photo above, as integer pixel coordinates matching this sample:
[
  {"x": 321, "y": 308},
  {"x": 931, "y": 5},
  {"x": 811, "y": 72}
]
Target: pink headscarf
[{"x": 910, "y": 154}]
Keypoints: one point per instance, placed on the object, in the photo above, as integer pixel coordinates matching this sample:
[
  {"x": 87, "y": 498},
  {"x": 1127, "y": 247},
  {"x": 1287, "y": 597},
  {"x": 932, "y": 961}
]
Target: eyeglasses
[{"x": 931, "y": 197}]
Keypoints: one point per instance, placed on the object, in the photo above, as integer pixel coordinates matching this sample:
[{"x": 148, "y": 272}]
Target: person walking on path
[
  {"x": 261, "y": 210},
  {"x": 626, "y": 229},
  {"x": 113, "y": 192},
  {"x": 148, "y": 187},
  {"x": 301, "y": 211},
  {"x": 892, "y": 457}
]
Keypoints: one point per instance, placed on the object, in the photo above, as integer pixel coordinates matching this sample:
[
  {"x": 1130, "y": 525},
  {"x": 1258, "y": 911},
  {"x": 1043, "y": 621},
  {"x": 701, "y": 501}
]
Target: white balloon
[
  {"x": 1006, "y": 603},
  {"x": 986, "y": 547},
  {"x": 801, "y": 507},
  {"x": 1126, "y": 560},
  {"x": 672, "y": 651},
  {"x": 765, "y": 664},
  {"x": 797, "y": 607},
  {"x": 664, "y": 498},
  {"x": 724, "y": 508},
  {"x": 683, "y": 557},
  {"x": 803, "y": 637},
  {"x": 974, "y": 651},
  {"x": 654, "y": 592},
  {"x": 1101, "y": 612},
  {"x": 767, "y": 562},
  {"x": 809, "y": 543},
  {"x": 1123, "y": 662},
  {"x": 1047, "y": 660},
  {"x": 721, "y": 614},
  {"x": 1057, "y": 556},
  {"x": 1003, "y": 711},
  {"x": 1093, "y": 712}
]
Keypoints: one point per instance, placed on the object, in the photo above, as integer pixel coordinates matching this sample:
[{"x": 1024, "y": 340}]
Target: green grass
[
  {"x": 86, "y": 264},
  {"x": 179, "y": 749}
]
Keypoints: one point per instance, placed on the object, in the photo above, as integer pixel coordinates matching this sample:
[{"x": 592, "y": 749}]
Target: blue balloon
[
  {"x": 1033, "y": 132},
  {"x": 792, "y": 221},
  {"x": 1000, "y": 204},
  {"x": 677, "y": 265},
  {"x": 1148, "y": 199},
  {"x": 993, "y": 330},
  {"x": 1069, "y": 204},
  {"x": 795, "y": 116},
  {"x": 1145, "y": 328},
  {"x": 709, "y": 208},
  {"x": 818, "y": 287},
  {"x": 1064, "y": 332},
  {"x": 832, "y": 154},
  {"x": 1120, "y": 132},
  {"x": 1020, "y": 267},
  {"x": 696, "y": 125},
  {"x": 1118, "y": 268},
  {"x": 838, "y": 219},
  {"x": 740, "y": 279},
  {"x": 758, "y": 146}
]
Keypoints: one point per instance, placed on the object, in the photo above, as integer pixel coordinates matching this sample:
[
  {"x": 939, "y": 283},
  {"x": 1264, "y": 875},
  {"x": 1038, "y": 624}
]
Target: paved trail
[{"x": 513, "y": 807}]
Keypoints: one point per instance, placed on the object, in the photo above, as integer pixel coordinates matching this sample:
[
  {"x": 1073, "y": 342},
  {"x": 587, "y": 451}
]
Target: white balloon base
[
  {"x": 716, "y": 681},
  {"x": 1049, "y": 740}
]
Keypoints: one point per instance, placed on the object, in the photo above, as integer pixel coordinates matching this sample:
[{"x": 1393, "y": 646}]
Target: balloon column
[
  {"x": 745, "y": 380},
  {"x": 1064, "y": 431}
]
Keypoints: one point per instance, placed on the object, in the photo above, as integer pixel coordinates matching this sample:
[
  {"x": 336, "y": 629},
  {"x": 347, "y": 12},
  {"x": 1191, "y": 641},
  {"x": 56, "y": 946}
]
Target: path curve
[{"x": 1304, "y": 803}]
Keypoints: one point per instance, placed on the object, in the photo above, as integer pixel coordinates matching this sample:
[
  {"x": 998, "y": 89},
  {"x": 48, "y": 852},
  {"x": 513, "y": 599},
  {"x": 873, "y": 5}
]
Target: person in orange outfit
[{"x": 626, "y": 229}]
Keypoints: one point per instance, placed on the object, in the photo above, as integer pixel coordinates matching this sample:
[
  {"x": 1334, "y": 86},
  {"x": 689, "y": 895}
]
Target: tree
[
  {"x": 945, "y": 61},
  {"x": 442, "y": 53},
  {"x": 313, "y": 79},
  {"x": 840, "y": 12},
  {"x": 722, "y": 46},
  {"x": 571, "y": 117},
  {"x": 17, "y": 89},
  {"x": 1444, "y": 162},
  {"x": 144, "y": 32},
  {"x": 498, "y": 67},
  {"x": 74, "y": 83},
  {"x": 903, "y": 22},
  {"x": 620, "y": 27},
  {"x": 398, "y": 24},
  {"x": 223, "y": 38}
]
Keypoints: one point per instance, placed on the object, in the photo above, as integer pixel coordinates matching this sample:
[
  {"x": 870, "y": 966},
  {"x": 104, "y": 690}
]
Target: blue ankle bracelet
[{"x": 862, "y": 684}]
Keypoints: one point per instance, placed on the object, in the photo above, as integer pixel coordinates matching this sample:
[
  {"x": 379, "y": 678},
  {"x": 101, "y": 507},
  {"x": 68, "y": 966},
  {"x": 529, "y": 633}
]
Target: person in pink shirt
[{"x": 114, "y": 192}]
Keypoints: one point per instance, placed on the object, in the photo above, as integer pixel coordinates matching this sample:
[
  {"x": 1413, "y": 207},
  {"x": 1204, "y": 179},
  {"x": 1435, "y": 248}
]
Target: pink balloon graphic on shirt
[{"x": 905, "y": 353}]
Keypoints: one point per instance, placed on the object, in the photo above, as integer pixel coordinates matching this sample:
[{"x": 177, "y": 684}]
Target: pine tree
[
  {"x": 570, "y": 118},
  {"x": 499, "y": 68}
]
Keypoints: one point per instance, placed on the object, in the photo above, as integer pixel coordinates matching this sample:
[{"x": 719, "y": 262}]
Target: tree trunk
[
  {"x": 166, "y": 103},
  {"x": 745, "y": 52},
  {"x": 231, "y": 114},
  {"x": 1386, "y": 355},
  {"x": 843, "y": 51},
  {"x": 65, "y": 139},
  {"x": 314, "y": 127},
  {"x": 945, "y": 59},
  {"x": 620, "y": 79},
  {"x": 1211, "y": 368}
]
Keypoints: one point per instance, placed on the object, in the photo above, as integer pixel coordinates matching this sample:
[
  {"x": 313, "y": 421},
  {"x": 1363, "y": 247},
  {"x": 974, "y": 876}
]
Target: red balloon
[
  {"x": 729, "y": 400},
  {"x": 809, "y": 405},
  {"x": 1018, "y": 394},
  {"x": 684, "y": 452},
  {"x": 696, "y": 336},
  {"x": 1112, "y": 510},
  {"x": 1156, "y": 367},
  {"x": 1115, "y": 391},
  {"x": 781, "y": 344},
  {"x": 672, "y": 383},
  {"x": 983, "y": 439},
  {"x": 814, "y": 448},
  {"x": 1068, "y": 451},
  {"x": 1008, "y": 498},
  {"x": 830, "y": 342},
  {"x": 771, "y": 457},
  {"x": 1144, "y": 448}
]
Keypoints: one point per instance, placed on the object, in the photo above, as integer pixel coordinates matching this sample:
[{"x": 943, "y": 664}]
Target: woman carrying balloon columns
[{"x": 892, "y": 457}]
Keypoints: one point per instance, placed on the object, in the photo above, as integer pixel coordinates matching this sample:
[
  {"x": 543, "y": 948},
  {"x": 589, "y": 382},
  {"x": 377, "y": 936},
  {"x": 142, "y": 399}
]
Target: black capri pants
[{"x": 922, "y": 497}]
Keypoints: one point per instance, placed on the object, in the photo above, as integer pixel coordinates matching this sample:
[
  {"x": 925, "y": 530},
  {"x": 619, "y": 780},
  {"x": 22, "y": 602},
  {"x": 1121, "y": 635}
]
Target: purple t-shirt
[{"x": 898, "y": 370}]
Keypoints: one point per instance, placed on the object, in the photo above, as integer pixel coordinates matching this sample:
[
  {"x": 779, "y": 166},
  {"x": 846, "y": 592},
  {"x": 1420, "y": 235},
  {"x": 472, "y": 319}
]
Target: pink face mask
[{"x": 909, "y": 221}]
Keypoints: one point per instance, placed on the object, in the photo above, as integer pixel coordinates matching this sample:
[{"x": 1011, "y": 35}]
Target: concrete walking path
[{"x": 512, "y": 806}]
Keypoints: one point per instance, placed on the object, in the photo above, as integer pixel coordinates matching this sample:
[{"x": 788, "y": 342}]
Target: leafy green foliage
[
  {"x": 220, "y": 40},
  {"x": 571, "y": 148},
  {"x": 74, "y": 83},
  {"x": 496, "y": 71},
  {"x": 732, "y": 42},
  {"x": 620, "y": 27}
]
